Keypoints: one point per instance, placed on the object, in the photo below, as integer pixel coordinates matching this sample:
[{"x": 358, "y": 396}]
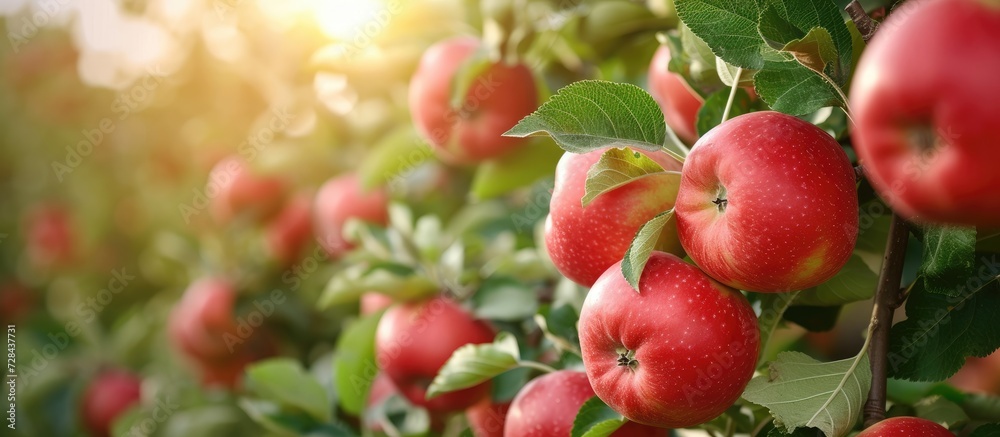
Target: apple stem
[
  {"x": 536, "y": 365},
  {"x": 887, "y": 299},
  {"x": 732, "y": 94},
  {"x": 864, "y": 23}
]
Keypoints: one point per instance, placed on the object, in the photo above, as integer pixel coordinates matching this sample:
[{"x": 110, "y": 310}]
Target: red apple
[
  {"x": 200, "y": 320},
  {"x": 341, "y": 199},
  {"x": 288, "y": 233},
  {"x": 680, "y": 104},
  {"x": 768, "y": 203},
  {"x": 979, "y": 375},
  {"x": 487, "y": 419},
  {"x": 583, "y": 242},
  {"x": 926, "y": 122},
  {"x": 547, "y": 406},
  {"x": 234, "y": 189},
  {"x": 107, "y": 397},
  {"x": 906, "y": 427},
  {"x": 676, "y": 354},
  {"x": 497, "y": 99},
  {"x": 415, "y": 339},
  {"x": 49, "y": 235}
]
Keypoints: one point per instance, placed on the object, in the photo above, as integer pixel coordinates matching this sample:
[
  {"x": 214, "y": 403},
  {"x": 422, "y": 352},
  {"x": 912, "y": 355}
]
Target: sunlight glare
[{"x": 344, "y": 19}]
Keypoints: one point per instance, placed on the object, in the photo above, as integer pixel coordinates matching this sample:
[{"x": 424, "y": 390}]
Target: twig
[
  {"x": 887, "y": 299},
  {"x": 865, "y": 24}
]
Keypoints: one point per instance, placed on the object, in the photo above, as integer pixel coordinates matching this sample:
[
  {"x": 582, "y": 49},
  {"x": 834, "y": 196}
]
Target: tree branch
[
  {"x": 864, "y": 23},
  {"x": 887, "y": 299}
]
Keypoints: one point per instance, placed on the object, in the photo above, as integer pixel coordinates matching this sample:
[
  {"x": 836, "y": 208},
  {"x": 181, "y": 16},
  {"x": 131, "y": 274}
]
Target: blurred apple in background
[
  {"x": 50, "y": 236},
  {"x": 680, "y": 104},
  {"x": 341, "y": 199},
  {"x": 468, "y": 130},
  {"x": 234, "y": 189},
  {"x": 107, "y": 397},
  {"x": 290, "y": 231}
]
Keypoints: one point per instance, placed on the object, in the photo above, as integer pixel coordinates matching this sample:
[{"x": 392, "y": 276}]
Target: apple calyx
[
  {"x": 927, "y": 141},
  {"x": 627, "y": 358},
  {"x": 720, "y": 199}
]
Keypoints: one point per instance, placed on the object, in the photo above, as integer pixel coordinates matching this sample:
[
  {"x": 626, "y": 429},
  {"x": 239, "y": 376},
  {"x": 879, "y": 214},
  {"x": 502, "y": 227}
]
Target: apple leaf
[
  {"x": 516, "y": 169},
  {"x": 396, "y": 280},
  {"x": 949, "y": 258},
  {"x": 642, "y": 246},
  {"x": 596, "y": 419},
  {"x": 504, "y": 298},
  {"x": 940, "y": 331},
  {"x": 988, "y": 430},
  {"x": 812, "y": 31},
  {"x": 794, "y": 89},
  {"x": 710, "y": 114},
  {"x": 591, "y": 114},
  {"x": 942, "y": 411},
  {"x": 354, "y": 366},
  {"x": 855, "y": 281},
  {"x": 802, "y": 392},
  {"x": 396, "y": 153},
  {"x": 729, "y": 27},
  {"x": 474, "y": 363},
  {"x": 618, "y": 167},
  {"x": 727, "y": 74},
  {"x": 799, "y": 432},
  {"x": 284, "y": 381}
]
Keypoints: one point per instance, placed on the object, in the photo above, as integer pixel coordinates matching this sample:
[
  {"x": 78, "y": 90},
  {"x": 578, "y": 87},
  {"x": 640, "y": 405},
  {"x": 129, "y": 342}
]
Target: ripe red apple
[
  {"x": 200, "y": 320},
  {"x": 289, "y": 232},
  {"x": 676, "y": 354},
  {"x": 926, "y": 124},
  {"x": 680, "y": 104},
  {"x": 340, "y": 199},
  {"x": 415, "y": 339},
  {"x": 979, "y": 375},
  {"x": 768, "y": 203},
  {"x": 583, "y": 242},
  {"x": 497, "y": 99},
  {"x": 235, "y": 189},
  {"x": 487, "y": 419},
  {"x": 547, "y": 406},
  {"x": 906, "y": 427},
  {"x": 49, "y": 235},
  {"x": 106, "y": 397}
]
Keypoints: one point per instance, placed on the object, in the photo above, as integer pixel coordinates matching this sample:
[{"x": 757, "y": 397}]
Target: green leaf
[
  {"x": 349, "y": 284},
  {"x": 618, "y": 167},
  {"x": 813, "y": 32},
  {"x": 710, "y": 114},
  {"x": 802, "y": 392},
  {"x": 516, "y": 169},
  {"x": 854, "y": 282},
  {"x": 596, "y": 419},
  {"x": 354, "y": 366},
  {"x": 642, "y": 246},
  {"x": 792, "y": 88},
  {"x": 988, "y": 430},
  {"x": 398, "y": 152},
  {"x": 504, "y": 298},
  {"x": 940, "y": 330},
  {"x": 589, "y": 115},
  {"x": 474, "y": 363},
  {"x": 284, "y": 381},
  {"x": 729, "y": 27},
  {"x": 941, "y": 411},
  {"x": 949, "y": 258}
]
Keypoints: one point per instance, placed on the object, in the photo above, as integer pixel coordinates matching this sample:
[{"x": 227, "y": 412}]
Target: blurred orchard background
[{"x": 113, "y": 114}]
